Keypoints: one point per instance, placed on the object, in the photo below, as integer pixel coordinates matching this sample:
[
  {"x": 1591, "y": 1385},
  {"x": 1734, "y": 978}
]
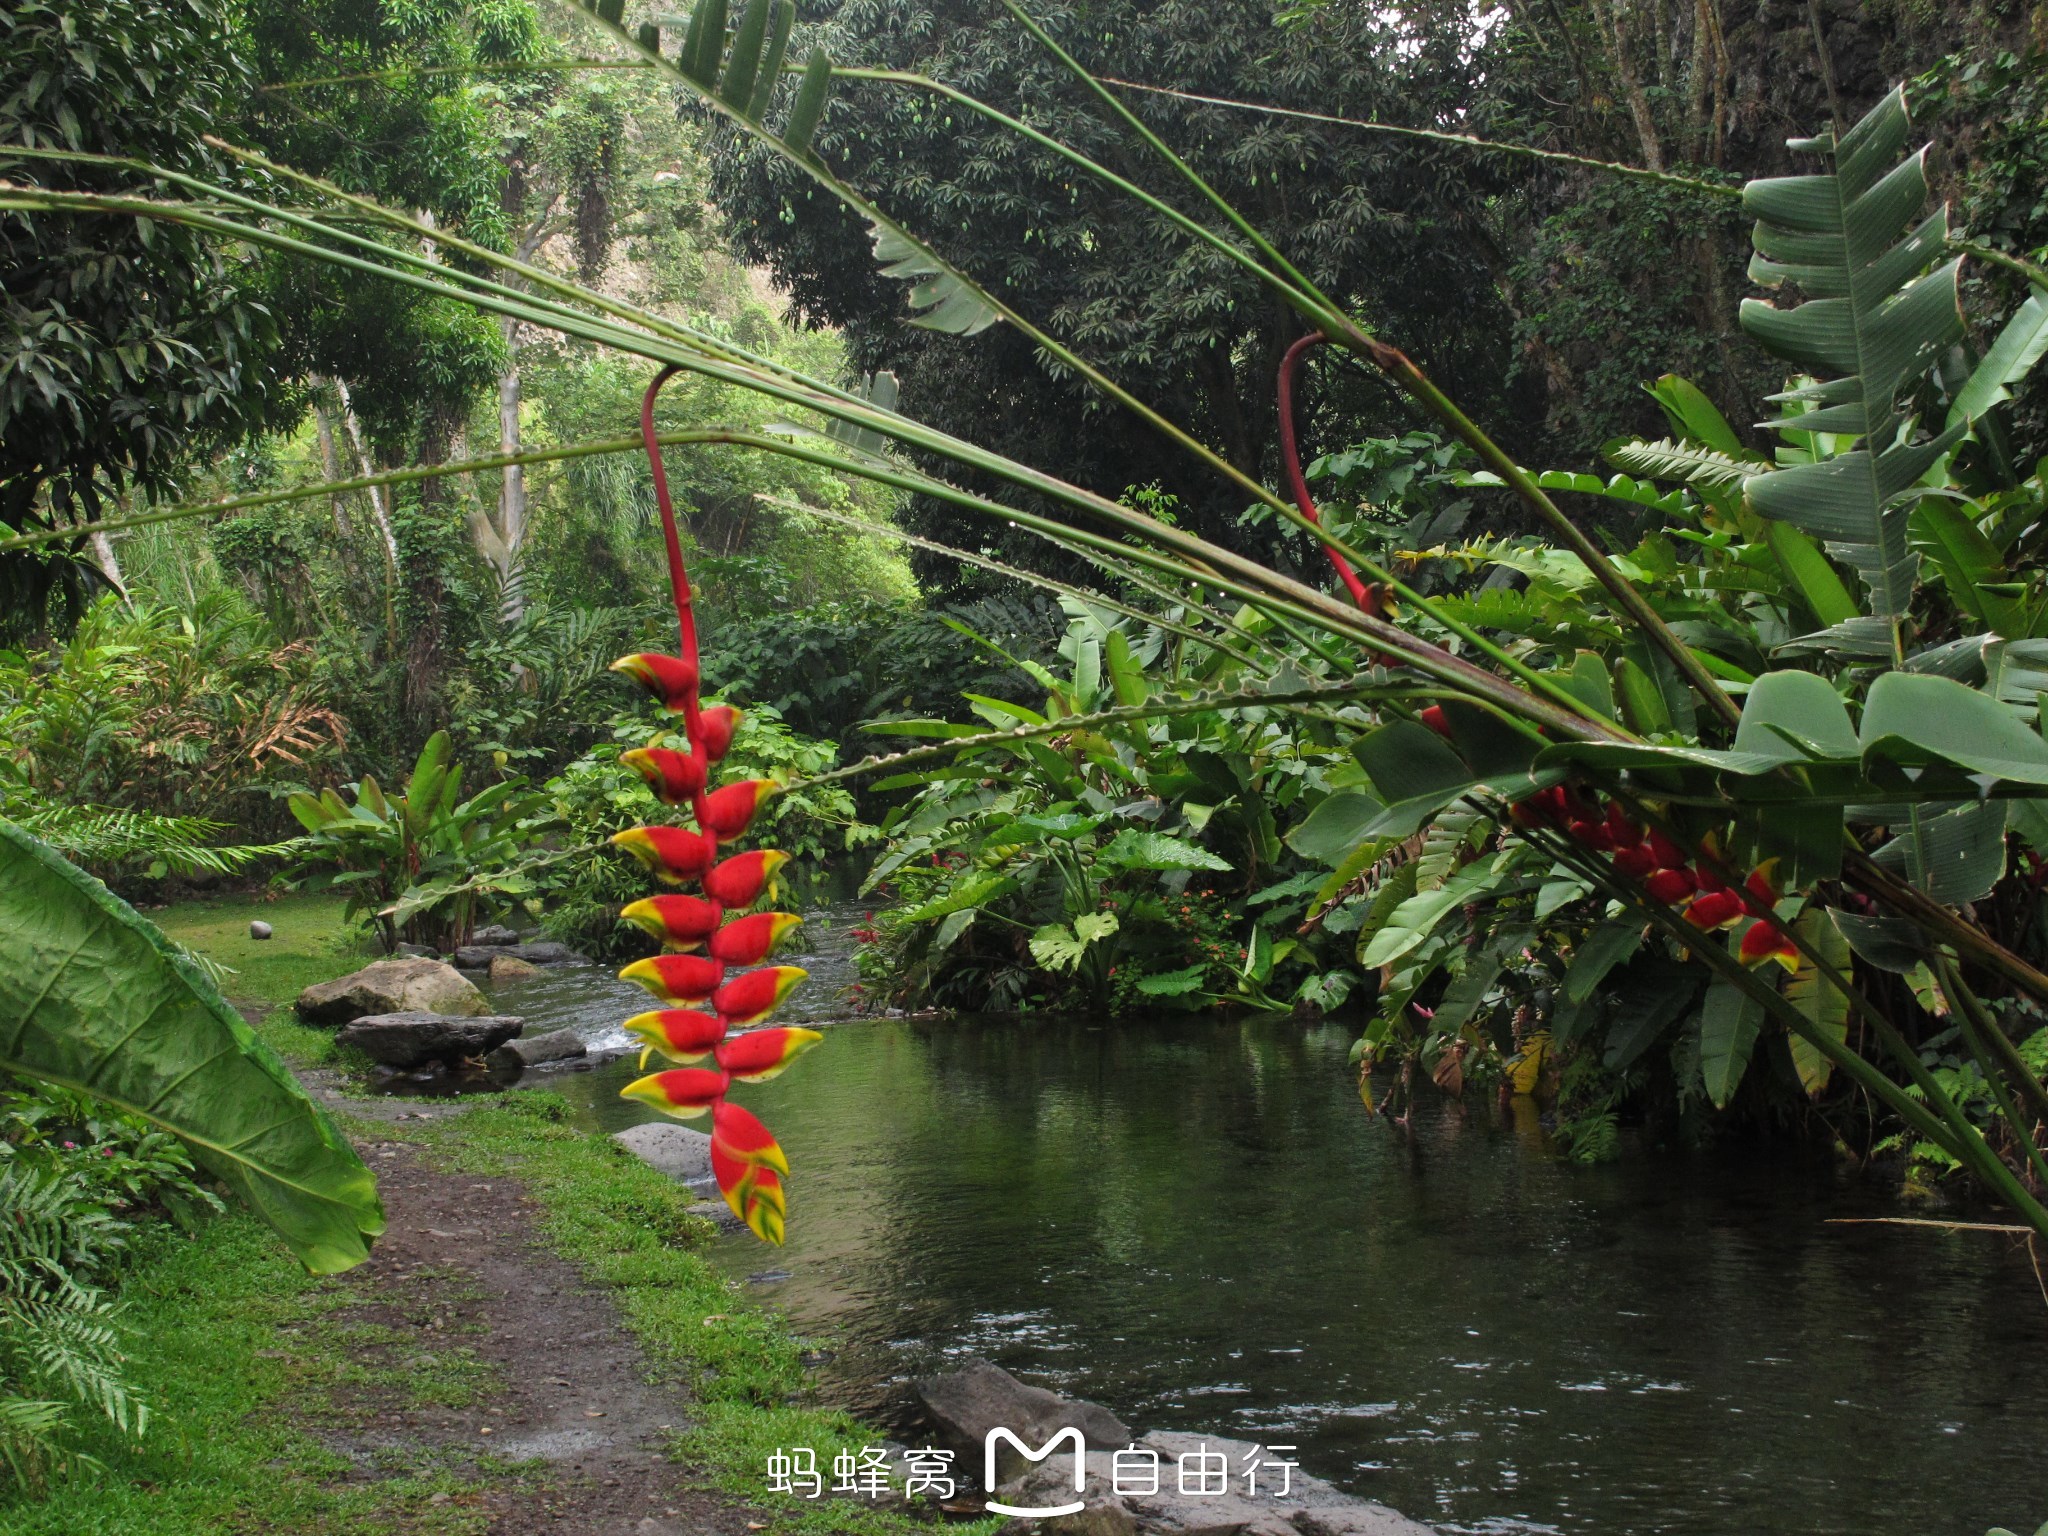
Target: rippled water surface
[{"x": 1196, "y": 1224}]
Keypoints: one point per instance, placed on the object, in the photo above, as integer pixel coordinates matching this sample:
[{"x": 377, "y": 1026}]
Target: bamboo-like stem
[
  {"x": 1980, "y": 1052},
  {"x": 1973, "y": 1010}
]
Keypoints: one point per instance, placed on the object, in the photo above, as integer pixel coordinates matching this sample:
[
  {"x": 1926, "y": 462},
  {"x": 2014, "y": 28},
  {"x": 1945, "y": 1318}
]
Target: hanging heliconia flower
[{"x": 714, "y": 1045}]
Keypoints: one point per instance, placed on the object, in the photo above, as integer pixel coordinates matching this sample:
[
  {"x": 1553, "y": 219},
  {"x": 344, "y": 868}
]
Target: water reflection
[{"x": 1195, "y": 1223}]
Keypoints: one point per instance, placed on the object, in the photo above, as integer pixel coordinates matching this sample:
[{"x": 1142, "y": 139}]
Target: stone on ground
[
  {"x": 258, "y": 929},
  {"x": 478, "y": 957},
  {"x": 532, "y": 1050},
  {"x": 675, "y": 1150},
  {"x": 493, "y": 934},
  {"x": 510, "y": 968},
  {"x": 412, "y": 1039},
  {"x": 391, "y": 986},
  {"x": 966, "y": 1404}
]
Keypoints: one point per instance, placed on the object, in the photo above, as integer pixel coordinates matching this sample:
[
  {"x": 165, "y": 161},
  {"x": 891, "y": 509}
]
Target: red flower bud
[
  {"x": 715, "y": 727},
  {"x": 1761, "y": 886},
  {"x": 1716, "y": 909},
  {"x": 680, "y": 1034},
  {"x": 750, "y": 998},
  {"x": 677, "y": 978},
  {"x": 1671, "y": 886},
  {"x": 667, "y": 678},
  {"x": 750, "y": 940},
  {"x": 674, "y": 854},
  {"x": 684, "y": 1092},
  {"x": 1635, "y": 861},
  {"x": 725, "y": 813},
  {"x": 1767, "y": 941},
  {"x": 675, "y": 777},
  {"x": 1590, "y": 834},
  {"x": 679, "y": 922},
  {"x": 760, "y": 1054},
  {"x": 1623, "y": 832},
  {"x": 739, "y": 881},
  {"x": 1436, "y": 720},
  {"x": 1669, "y": 854}
]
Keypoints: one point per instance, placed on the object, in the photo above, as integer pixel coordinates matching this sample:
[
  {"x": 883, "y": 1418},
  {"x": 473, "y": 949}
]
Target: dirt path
[{"x": 521, "y": 1362}]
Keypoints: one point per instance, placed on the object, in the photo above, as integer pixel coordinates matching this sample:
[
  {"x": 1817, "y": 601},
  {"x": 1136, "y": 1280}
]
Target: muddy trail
[{"x": 524, "y": 1364}]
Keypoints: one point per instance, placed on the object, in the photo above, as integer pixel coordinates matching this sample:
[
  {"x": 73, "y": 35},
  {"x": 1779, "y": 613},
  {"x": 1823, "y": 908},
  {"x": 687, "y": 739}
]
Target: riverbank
[{"x": 537, "y": 1344}]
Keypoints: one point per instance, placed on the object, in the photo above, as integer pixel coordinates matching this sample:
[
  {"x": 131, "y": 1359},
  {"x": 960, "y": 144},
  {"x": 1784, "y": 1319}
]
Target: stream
[{"x": 1195, "y": 1222}]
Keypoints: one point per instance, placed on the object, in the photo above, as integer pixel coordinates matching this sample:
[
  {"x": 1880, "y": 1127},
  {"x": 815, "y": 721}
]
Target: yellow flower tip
[
  {"x": 645, "y": 1052},
  {"x": 642, "y": 971}
]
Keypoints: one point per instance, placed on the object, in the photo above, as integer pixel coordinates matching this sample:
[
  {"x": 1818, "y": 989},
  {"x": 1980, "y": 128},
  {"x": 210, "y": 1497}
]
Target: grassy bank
[
  {"x": 311, "y": 942},
  {"x": 238, "y": 1352}
]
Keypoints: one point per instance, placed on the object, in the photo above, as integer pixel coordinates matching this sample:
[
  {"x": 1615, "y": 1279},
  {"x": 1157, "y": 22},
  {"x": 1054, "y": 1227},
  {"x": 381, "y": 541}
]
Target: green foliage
[
  {"x": 94, "y": 998},
  {"x": 131, "y": 346},
  {"x": 424, "y": 863},
  {"x": 594, "y": 796},
  {"x": 1130, "y": 866}
]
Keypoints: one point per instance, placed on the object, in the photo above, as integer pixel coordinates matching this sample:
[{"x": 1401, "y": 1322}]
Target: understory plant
[{"x": 1785, "y": 813}]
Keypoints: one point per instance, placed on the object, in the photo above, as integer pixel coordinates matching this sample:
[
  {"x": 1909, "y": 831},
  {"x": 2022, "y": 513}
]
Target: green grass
[
  {"x": 313, "y": 942},
  {"x": 225, "y": 1333}
]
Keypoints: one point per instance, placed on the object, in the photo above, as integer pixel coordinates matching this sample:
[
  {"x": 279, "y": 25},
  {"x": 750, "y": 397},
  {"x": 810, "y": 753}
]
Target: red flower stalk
[
  {"x": 750, "y": 940},
  {"x": 679, "y": 922},
  {"x": 677, "y": 978},
  {"x": 674, "y": 855},
  {"x": 726, "y": 813},
  {"x": 675, "y": 777}
]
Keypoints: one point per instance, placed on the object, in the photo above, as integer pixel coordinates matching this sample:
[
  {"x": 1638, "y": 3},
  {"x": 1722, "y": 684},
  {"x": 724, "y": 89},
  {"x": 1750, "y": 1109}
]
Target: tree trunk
[
  {"x": 512, "y": 493},
  {"x": 380, "y": 504},
  {"x": 330, "y": 468}
]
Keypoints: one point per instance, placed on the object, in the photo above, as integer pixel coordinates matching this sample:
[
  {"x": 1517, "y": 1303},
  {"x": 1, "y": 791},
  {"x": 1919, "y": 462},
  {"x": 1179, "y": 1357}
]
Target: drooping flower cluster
[
  {"x": 711, "y": 999},
  {"x": 1669, "y": 873}
]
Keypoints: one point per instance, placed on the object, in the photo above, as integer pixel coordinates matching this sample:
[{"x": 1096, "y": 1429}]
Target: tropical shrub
[
  {"x": 581, "y": 888},
  {"x": 1135, "y": 863},
  {"x": 424, "y": 864}
]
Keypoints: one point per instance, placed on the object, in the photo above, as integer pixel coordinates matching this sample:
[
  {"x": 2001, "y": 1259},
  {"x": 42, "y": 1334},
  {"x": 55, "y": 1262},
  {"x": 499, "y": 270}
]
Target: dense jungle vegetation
[{"x": 322, "y": 514}]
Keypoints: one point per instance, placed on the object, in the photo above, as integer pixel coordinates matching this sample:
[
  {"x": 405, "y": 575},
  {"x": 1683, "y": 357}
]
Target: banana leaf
[{"x": 93, "y": 997}]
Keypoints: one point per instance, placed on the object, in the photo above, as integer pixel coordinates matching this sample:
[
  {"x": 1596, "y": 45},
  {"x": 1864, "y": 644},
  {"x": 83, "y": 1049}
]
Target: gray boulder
[
  {"x": 531, "y": 1051},
  {"x": 414, "y": 1039},
  {"x": 675, "y": 1150},
  {"x": 478, "y": 957},
  {"x": 415, "y": 951},
  {"x": 392, "y": 986},
  {"x": 1309, "y": 1507},
  {"x": 511, "y": 968},
  {"x": 492, "y": 934},
  {"x": 258, "y": 929},
  {"x": 964, "y": 1405}
]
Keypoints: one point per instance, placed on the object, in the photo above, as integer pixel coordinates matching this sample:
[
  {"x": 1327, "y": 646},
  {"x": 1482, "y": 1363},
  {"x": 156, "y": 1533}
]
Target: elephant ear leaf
[
  {"x": 1873, "y": 322},
  {"x": 94, "y": 998}
]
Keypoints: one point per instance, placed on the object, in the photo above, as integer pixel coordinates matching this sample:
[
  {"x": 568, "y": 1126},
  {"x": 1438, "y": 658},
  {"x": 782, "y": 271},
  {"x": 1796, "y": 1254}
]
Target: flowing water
[{"x": 1196, "y": 1223}]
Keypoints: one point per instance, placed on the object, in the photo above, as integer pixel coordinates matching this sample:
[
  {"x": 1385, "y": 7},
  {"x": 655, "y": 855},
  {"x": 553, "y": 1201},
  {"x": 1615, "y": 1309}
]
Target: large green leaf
[
  {"x": 1916, "y": 719},
  {"x": 1825, "y": 1005},
  {"x": 93, "y": 997},
  {"x": 1873, "y": 321},
  {"x": 1335, "y": 827},
  {"x": 1954, "y": 856},
  {"x": 1729, "y": 1021},
  {"x": 2022, "y": 344},
  {"x": 1417, "y": 917}
]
